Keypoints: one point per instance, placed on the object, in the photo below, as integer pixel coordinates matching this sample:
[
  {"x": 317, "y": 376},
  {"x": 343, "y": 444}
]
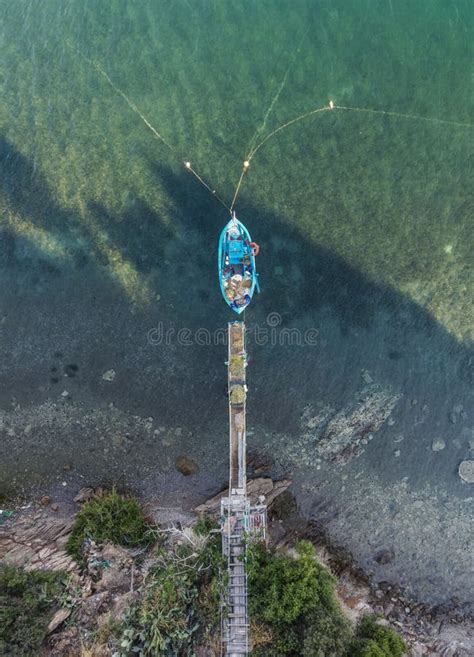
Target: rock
[
  {"x": 438, "y": 444},
  {"x": 116, "y": 554},
  {"x": 54, "y": 507},
  {"x": 45, "y": 500},
  {"x": 384, "y": 556},
  {"x": 58, "y": 618},
  {"x": 109, "y": 375},
  {"x": 259, "y": 461},
  {"x": 186, "y": 465},
  {"x": 168, "y": 441},
  {"x": 259, "y": 487},
  {"x": 466, "y": 471},
  {"x": 113, "y": 579},
  {"x": 121, "y": 603},
  {"x": 417, "y": 650},
  {"x": 338, "y": 435},
  {"x": 37, "y": 546},
  {"x": 366, "y": 377},
  {"x": 284, "y": 506},
  {"x": 90, "y": 607},
  {"x": 84, "y": 494},
  {"x": 65, "y": 642}
]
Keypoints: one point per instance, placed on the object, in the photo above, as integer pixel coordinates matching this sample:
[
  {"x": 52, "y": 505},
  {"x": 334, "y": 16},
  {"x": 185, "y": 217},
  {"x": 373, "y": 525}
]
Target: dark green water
[{"x": 365, "y": 223}]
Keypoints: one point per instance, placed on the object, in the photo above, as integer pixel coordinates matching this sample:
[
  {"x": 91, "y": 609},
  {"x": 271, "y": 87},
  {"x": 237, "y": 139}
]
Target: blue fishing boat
[{"x": 238, "y": 276}]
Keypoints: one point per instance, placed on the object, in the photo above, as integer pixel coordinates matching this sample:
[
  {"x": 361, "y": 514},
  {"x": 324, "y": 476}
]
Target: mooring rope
[
  {"x": 332, "y": 106},
  {"x": 254, "y": 149},
  {"x": 401, "y": 115},
  {"x": 275, "y": 98},
  {"x": 186, "y": 163}
]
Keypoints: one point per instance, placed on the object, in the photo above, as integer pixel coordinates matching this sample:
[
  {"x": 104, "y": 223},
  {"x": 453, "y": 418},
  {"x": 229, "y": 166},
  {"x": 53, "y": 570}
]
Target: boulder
[
  {"x": 186, "y": 465},
  {"x": 256, "y": 488},
  {"x": 466, "y": 471},
  {"x": 86, "y": 614},
  {"x": 438, "y": 444},
  {"x": 58, "y": 619},
  {"x": 384, "y": 556}
]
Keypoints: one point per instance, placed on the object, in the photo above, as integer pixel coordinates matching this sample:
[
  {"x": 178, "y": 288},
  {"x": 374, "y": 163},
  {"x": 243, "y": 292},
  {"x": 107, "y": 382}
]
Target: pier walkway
[{"x": 239, "y": 520}]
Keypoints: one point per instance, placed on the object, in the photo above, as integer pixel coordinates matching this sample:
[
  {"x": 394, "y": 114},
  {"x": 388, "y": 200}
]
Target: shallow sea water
[{"x": 108, "y": 248}]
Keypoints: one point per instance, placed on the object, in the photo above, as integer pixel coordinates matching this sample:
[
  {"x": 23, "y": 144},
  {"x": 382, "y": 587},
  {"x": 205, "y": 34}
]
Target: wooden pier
[{"x": 239, "y": 520}]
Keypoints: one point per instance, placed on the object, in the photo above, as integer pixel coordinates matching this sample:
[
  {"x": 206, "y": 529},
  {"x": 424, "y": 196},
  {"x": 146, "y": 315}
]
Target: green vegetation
[
  {"x": 27, "y": 603},
  {"x": 112, "y": 517},
  {"x": 180, "y": 602},
  {"x": 375, "y": 640},
  {"x": 294, "y": 598},
  {"x": 205, "y": 525},
  {"x": 164, "y": 621},
  {"x": 293, "y": 603},
  {"x": 283, "y": 589}
]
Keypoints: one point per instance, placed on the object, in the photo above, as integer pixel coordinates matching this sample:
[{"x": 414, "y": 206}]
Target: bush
[
  {"x": 295, "y": 598},
  {"x": 365, "y": 648},
  {"x": 327, "y": 634},
  {"x": 27, "y": 602},
  {"x": 163, "y": 623},
  {"x": 181, "y": 596},
  {"x": 112, "y": 517},
  {"x": 282, "y": 589},
  {"x": 374, "y": 640},
  {"x": 205, "y": 525}
]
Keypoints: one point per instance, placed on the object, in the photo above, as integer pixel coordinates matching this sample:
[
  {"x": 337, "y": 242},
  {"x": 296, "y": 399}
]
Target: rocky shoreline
[{"x": 35, "y": 538}]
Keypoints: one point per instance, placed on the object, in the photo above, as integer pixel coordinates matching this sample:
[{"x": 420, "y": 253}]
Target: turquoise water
[{"x": 365, "y": 224}]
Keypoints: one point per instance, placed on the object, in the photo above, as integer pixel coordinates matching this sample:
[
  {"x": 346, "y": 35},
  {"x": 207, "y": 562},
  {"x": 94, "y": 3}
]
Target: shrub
[
  {"x": 295, "y": 599},
  {"x": 365, "y": 648},
  {"x": 327, "y": 633},
  {"x": 205, "y": 525},
  {"x": 374, "y": 640},
  {"x": 27, "y": 602},
  {"x": 181, "y": 596},
  {"x": 163, "y": 623},
  {"x": 112, "y": 517},
  {"x": 282, "y": 589}
]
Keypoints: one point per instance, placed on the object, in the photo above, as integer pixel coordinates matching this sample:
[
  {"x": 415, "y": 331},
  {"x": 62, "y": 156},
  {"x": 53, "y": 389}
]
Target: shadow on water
[{"x": 362, "y": 325}]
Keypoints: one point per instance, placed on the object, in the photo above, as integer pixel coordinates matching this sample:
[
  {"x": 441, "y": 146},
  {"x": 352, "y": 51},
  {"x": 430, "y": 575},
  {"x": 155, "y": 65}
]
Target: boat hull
[{"x": 238, "y": 278}]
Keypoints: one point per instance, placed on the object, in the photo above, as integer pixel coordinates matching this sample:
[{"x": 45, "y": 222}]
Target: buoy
[{"x": 255, "y": 248}]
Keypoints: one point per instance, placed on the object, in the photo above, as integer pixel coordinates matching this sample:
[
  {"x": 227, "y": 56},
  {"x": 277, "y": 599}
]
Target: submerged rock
[
  {"x": 384, "y": 557},
  {"x": 186, "y": 465},
  {"x": 109, "y": 375},
  {"x": 339, "y": 435},
  {"x": 438, "y": 444},
  {"x": 466, "y": 471}
]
